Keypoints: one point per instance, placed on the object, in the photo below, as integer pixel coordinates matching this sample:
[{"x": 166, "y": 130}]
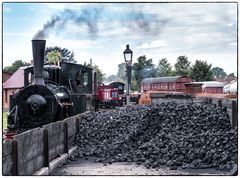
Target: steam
[
  {"x": 89, "y": 17},
  {"x": 42, "y": 34}
]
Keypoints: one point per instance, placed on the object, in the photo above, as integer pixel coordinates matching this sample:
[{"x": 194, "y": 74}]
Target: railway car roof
[
  {"x": 109, "y": 83},
  {"x": 208, "y": 84},
  {"x": 160, "y": 79}
]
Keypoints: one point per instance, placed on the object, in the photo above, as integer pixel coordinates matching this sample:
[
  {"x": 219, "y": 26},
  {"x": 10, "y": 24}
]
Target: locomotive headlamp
[{"x": 128, "y": 54}]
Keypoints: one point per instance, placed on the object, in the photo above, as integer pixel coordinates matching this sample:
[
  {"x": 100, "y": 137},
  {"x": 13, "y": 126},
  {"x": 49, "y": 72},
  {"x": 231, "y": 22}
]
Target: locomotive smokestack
[{"x": 38, "y": 49}]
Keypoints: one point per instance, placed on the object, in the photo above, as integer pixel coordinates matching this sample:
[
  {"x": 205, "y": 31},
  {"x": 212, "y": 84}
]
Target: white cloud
[
  {"x": 153, "y": 44},
  {"x": 17, "y": 34},
  {"x": 61, "y": 6},
  {"x": 7, "y": 9},
  {"x": 58, "y": 6},
  {"x": 69, "y": 43},
  {"x": 12, "y": 53}
]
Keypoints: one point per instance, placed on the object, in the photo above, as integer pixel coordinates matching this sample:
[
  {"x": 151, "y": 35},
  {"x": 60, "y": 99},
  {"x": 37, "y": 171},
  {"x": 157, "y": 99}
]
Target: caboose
[{"x": 110, "y": 95}]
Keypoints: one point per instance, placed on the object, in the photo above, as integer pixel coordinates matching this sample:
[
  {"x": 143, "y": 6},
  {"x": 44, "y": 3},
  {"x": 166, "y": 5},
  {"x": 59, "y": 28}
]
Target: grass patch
[{"x": 4, "y": 121}]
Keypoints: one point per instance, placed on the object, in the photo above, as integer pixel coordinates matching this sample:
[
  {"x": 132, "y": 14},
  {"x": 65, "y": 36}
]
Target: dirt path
[{"x": 88, "y": 167}]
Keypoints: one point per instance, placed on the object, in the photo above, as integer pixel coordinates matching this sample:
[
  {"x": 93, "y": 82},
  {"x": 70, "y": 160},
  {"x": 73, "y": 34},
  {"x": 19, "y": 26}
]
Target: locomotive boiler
[{"x": 51, "y": 92}]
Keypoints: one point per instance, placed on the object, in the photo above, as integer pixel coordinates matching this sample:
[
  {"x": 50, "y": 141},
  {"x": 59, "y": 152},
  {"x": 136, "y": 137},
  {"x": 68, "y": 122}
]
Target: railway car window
[
  {"x": 82, "y": 78},
  {"x": 30, "y": 78},
  {"x": 85, "y": 78},
  {"x": 114, "y": 94},
  {"x": 106, "y": 95}
]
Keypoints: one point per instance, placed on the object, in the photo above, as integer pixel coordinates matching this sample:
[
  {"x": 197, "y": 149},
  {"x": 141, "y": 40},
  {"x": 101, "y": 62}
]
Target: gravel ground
[{"x": 89, "y": 167}]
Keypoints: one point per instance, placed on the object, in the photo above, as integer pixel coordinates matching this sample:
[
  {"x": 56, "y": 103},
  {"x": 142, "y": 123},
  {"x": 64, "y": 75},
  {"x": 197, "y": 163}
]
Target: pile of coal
[{"x": 172, "y": 134}]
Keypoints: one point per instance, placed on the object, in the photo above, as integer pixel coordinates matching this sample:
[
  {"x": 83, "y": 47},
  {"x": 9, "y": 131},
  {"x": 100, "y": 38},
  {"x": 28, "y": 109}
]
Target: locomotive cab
[{"x": 51, "y": 74}]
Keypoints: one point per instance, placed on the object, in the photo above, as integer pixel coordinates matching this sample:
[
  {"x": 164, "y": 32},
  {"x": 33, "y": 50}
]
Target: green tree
[
  {"x": 100, "y": 74},
  {"x": 53, "y": 56},
  {"x": 182, "y": 66},
  {"x": 15, "y": 66},
  {"x": 231, "y": 75},
  {"x": 66, "y": 55},
  {"x": 122, "y": 71},
  {"x": 218, "y": 72},
  {"x": 143, "y": 68},
  {"x": 111, "y": 78},
  {"x": 164, "y": 68},
  {"x": 134, "y": 85},
  {"x": 201, "y": 71}
]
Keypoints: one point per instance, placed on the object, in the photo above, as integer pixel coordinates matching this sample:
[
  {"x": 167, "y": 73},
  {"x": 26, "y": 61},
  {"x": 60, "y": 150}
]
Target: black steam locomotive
[{"x": 51, "y": 92}]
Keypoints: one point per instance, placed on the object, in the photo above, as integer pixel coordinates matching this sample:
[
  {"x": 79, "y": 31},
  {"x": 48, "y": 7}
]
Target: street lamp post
[{"x": 128, "y": 59}]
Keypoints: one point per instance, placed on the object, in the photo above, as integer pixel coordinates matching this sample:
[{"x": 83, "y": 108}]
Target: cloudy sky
[{"x": 203, "y": 31}]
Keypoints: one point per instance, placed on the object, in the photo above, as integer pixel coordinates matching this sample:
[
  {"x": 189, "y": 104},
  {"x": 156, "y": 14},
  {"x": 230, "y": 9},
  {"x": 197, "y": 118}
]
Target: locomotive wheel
[{"x": 37, "y": 106}]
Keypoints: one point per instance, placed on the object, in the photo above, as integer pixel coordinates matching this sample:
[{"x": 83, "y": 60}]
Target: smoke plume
[
  {"x": 145, "y": 24},
  {"x": 89, "y": 17}
]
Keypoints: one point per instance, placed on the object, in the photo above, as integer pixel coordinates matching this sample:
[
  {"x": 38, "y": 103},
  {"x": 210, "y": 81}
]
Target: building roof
[
  {"x": 5, "y": 76},
  {"x": 226, "y": 80},
  {"x": 160, "y": 79},
  {"x": 4, "y": 72},
  {"x": 16, "y": 80},
  {"x": 208, "y": 84},
  {"x": 232, "y": 87}
]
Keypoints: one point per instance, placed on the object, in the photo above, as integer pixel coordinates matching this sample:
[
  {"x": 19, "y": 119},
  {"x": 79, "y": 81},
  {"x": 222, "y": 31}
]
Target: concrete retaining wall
[
  {"x": 161, "y": 100},
  {"x": 71, "y": 122},
  {"x": 30, "y": 151},
  {"x": 55, "y": 139},
  {"x": 34, "y": 149},
  {"x": 7, "y": 157}
]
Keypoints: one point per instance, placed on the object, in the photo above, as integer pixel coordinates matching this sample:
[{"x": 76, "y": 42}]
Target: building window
[{"x": 6, "y": 97}]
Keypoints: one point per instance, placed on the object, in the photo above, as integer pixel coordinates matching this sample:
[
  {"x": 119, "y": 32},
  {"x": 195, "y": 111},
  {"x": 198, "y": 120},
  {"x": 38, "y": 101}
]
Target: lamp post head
[{"x": 128, "y": 54}]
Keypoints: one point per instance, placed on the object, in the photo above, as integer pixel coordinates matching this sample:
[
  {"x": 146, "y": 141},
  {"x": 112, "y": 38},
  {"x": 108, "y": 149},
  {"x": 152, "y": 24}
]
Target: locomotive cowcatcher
[{"x": 51, "y": 92}]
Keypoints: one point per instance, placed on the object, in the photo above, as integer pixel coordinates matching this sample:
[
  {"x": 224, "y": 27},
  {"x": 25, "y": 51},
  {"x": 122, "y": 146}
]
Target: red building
[
  {"x": 15, "y": 82},
  {"x": 207, "y": 87},
  {"x": 212, "y": 87},
  {"x": 172, "y": 83}
]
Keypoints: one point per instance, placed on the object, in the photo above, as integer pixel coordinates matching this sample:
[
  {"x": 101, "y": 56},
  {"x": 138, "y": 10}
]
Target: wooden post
[
  {"x": 15, "y": 157},
  {"x": 219, "y": 103},
  {"x": 234, "y": 114},
  {"x": 209, "y": 100},
  {"x": 45, "y": 148},
  {"x": 77, "y": 125},
  {"x": 65, "y": 130}
]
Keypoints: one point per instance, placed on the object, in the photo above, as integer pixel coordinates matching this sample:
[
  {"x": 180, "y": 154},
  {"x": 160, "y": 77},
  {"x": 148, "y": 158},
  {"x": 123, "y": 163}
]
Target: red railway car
[
  {"x": 120, "y": 86},
  {"x": 172, "y": 83},
  {"x": 108, "y": 96}
]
